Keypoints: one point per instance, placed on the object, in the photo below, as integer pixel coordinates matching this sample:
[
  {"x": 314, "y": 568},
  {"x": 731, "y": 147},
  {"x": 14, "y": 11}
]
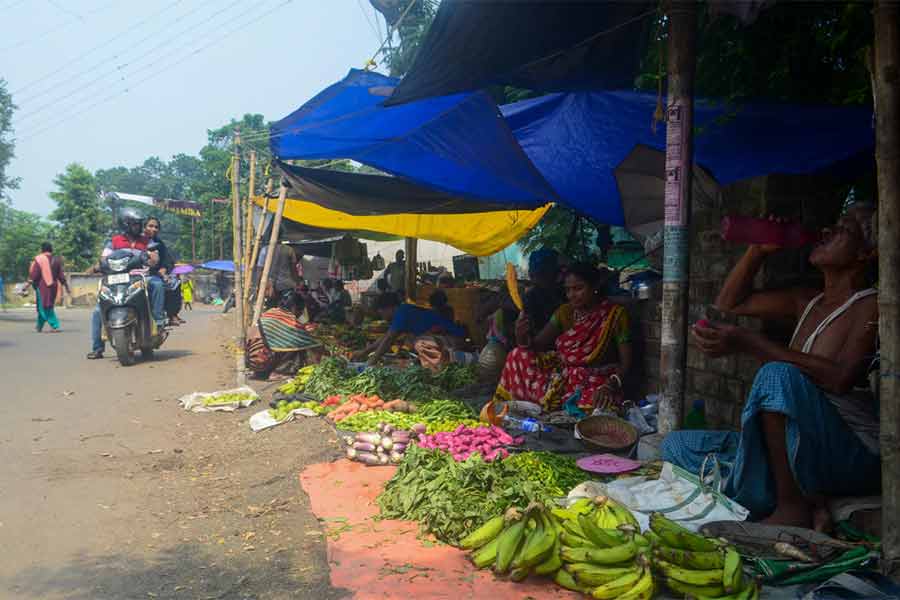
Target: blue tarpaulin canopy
[
  {"x": 219, "y": 265},
  {"x": 576, "y": 140},
  {"x": 457, "y": 144},
  {"x": 561, "y": 147}
]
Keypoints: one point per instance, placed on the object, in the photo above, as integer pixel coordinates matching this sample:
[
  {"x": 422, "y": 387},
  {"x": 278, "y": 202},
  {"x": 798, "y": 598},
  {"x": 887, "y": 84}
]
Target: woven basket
[{"x": 607, "y": 434}]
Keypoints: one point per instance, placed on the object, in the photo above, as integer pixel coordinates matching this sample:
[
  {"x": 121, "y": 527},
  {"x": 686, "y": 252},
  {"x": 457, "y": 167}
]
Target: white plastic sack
[
  {"x": 264, "y": 420},
  {"x": 643, "y": 496},
  {"x": 194, "y": 402}
]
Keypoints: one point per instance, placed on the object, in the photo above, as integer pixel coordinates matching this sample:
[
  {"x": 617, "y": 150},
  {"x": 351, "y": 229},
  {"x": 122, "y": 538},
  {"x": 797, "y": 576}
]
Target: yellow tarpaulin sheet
[{"x": 479, "y": 234}]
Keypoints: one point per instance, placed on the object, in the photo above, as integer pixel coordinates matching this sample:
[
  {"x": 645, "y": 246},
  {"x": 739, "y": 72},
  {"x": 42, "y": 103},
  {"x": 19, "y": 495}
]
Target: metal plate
[{"x": 118, "y": 278}]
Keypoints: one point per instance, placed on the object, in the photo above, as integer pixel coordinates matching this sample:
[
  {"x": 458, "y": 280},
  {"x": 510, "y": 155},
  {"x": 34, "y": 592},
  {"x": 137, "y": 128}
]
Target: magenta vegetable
[{"x": 465, "y": 441}]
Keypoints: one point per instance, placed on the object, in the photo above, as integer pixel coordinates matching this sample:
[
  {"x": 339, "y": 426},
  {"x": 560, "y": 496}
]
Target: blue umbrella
[{"x": 219, "y": 265}]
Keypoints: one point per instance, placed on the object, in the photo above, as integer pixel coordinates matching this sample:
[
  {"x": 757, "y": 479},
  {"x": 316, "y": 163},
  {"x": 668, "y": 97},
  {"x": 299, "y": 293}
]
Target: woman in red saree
[{"x": 585, "y": 347}]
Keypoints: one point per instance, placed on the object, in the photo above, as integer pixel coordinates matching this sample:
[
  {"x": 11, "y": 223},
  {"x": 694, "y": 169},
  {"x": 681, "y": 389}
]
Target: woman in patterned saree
[
  {"x": 277, "y": 340},
  {"x": 585, "y": 347}
]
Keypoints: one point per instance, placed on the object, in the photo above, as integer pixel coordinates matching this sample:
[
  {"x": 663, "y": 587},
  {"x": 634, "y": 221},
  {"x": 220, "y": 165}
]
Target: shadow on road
[{"x": 182, "y": 572}]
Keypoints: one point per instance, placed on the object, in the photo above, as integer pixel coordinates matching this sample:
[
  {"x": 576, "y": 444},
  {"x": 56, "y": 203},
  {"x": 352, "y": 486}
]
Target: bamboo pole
[
  {"x": 886, "y": 92},
  {"x": 248, "y": 228},
  {"x": 273, "y": 242},
  {"x": 412, "y": 252},
  {"x": 679, "y": 162},
  {"x": 237, "y": 248},
  {"x": 257, "y": 238}
]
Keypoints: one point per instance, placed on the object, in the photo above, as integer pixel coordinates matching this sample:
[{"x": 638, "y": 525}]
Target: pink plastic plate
[{"x": 607, "y": 464}]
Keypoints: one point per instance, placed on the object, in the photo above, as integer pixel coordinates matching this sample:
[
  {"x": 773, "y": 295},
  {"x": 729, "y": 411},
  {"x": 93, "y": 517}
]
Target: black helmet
[{"x": 127, "y": 216}]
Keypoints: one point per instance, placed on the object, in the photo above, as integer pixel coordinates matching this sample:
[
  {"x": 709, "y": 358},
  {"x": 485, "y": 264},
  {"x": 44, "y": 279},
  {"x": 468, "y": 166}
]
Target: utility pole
[
  {"x": 682, "y": 55},
  {"x": 237, "y": 248},
  {"x": 248, "y": 231},
  {"x": 270, "y": 253},
  {"x": 886, "y": 92}
]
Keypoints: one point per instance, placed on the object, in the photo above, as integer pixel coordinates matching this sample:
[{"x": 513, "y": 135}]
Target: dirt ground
[{"x": 109, "y": 490}]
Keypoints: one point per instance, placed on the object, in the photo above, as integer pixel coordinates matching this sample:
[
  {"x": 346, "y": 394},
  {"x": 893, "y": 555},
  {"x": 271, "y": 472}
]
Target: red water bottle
[{"x": 751, "y": 230}]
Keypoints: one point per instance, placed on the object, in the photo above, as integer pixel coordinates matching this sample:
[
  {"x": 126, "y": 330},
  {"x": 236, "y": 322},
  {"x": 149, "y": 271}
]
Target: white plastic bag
[
  {"x": 264, "y": 420},
  {"x": 194, "y": 402},
  {"x": 678, "y": 495}
]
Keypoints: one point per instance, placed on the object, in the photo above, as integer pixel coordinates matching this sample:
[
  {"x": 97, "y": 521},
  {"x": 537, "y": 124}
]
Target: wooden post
[
  {"x": 237, "y": 248},
  {"x": 412, "y": 251},
  {"x": 257, "y": 238},
  {"x": 248, "y": 229},
  {"x": 886, "y": 92},
  {"x": 273, "y": 243},
  {"x": 677, "y": 229}
]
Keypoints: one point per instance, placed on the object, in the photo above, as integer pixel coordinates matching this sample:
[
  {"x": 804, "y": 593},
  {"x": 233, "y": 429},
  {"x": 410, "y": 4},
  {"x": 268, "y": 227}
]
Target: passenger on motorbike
[
  {"x": 132, "y": 237},
  {"x": 162, "y": 271}
]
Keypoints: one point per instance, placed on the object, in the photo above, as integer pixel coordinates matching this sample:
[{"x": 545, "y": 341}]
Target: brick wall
[{"x": 723, "y": 383}]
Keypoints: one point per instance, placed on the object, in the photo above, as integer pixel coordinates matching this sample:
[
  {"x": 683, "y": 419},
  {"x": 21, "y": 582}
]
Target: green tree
[
  {"x": 21, "y": 235},
  {"x": 82, "y": 222},
  {"x": 7, "y": 145},
  {"x": 411, "y": 23}
]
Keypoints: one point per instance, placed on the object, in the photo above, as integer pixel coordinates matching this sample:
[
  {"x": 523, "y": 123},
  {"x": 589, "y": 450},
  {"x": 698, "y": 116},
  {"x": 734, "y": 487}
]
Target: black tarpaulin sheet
[{"x": 542, "y": 45}]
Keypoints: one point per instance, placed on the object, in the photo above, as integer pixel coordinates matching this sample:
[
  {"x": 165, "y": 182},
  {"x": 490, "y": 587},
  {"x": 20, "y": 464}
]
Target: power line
[
  {"x": 36, "y": 38},
  {"x": 119, "y": 69},
  {"x": 111, "y": 97},
  {"x": 368, "y": 20},
  {"x": 62, "y": 8},
  {"x": 95, "y": 48},
  {"x": 13, "y": 4}
]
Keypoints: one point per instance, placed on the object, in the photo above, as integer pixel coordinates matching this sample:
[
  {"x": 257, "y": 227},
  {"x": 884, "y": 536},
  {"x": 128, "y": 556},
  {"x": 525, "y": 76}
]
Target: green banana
[
  {"x": 582, "y": 505},
  {"x": 697, "y": 591},
  {"x": 732, "y": 571},
  {"x": 688, "y": 559},
  {"x": 602, "y": 575},
  {"x": 564, "y": 579},
  {"x": 623, "y": 515},
  {"x": 487, "y": 554},
  {"x": 604, "y": 538},
  {"x": 750, "y": 592},
  {"x": 617, "y": 587},
  {"x": 508, "y": 545},
  {"x": 545, "y": 539},
  {"x": 527, "y": 539},
  {"x": 677, "y": 536},
  {"x": 519, "y": 574},
  {"x": 600, "y": 556},
  {"x": 690, "y": 576},
  {"x": 553, "y": 562},
  {"x": 641, "y": 541},
  {"x": 574, "y": 528},
  {"x": 654, "y": 539},
  {"x": 483, "y": 534},
  {"x": 644, "y": 587},
  {"x": 570, "y": 539}
]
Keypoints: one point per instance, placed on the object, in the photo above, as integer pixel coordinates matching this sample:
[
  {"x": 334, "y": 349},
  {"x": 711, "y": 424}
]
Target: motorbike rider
[{"x": 132, "y": 237}]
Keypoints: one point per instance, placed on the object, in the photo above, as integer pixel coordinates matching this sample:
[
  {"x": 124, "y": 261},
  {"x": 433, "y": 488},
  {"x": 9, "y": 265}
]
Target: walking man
[{"x": 45, "y": 274}]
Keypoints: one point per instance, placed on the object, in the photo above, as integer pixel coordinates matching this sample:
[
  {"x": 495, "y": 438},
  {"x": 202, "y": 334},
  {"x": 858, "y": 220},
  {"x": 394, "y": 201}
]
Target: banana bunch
[
  {"x": 690, "y": 564},
  {"x": 602, "y": 552},
  {"x": 297, "y": 383},
  {"x": 519, "y": 543}
]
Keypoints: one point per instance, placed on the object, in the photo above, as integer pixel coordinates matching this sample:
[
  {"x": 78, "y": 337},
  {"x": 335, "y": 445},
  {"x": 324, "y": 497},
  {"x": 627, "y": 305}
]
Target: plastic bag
[
  {"x": 264, "y": 420},
  {"x": 194, "y": 402},
  {"x": 677, "y": 494}
]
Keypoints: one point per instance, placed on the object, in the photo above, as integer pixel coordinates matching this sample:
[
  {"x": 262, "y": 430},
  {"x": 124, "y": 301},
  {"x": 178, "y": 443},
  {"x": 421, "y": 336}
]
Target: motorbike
[{"x": 125, "y": 306}]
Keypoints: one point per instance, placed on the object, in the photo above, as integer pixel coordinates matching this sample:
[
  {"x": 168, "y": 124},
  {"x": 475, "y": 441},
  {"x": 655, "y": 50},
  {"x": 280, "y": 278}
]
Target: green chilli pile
[{"x": 558, "y": 473}]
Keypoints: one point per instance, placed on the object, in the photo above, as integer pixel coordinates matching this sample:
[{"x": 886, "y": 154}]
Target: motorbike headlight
[{"x": 118, "y": 264}]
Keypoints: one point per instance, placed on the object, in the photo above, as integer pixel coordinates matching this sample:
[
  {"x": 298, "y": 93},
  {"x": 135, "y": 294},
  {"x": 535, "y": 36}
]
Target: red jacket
[{"x": 120, "y": 242}]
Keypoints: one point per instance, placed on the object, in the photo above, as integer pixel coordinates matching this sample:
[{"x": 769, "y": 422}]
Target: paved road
[{"x": 109, "y": 490}]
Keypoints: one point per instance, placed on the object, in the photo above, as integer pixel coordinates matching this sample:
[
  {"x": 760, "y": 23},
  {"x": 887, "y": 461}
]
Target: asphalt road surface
[{"x": 108, "y": 489}]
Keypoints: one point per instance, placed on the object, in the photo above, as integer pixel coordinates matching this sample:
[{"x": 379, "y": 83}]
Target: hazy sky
[{"x": 161, "y": 73}]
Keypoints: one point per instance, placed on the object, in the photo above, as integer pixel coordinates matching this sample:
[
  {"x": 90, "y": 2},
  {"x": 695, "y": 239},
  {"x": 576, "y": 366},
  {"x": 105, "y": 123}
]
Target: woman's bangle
[{"x": 618, "y": 379}]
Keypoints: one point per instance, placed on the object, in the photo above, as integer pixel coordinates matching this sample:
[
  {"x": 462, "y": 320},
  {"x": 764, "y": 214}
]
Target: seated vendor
[
  {"x": 584, "y": 347},
  {"x": 805, "y": 433},
  {"x": 405, "y": 319},
  {"x": 275, "y": 343}
]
